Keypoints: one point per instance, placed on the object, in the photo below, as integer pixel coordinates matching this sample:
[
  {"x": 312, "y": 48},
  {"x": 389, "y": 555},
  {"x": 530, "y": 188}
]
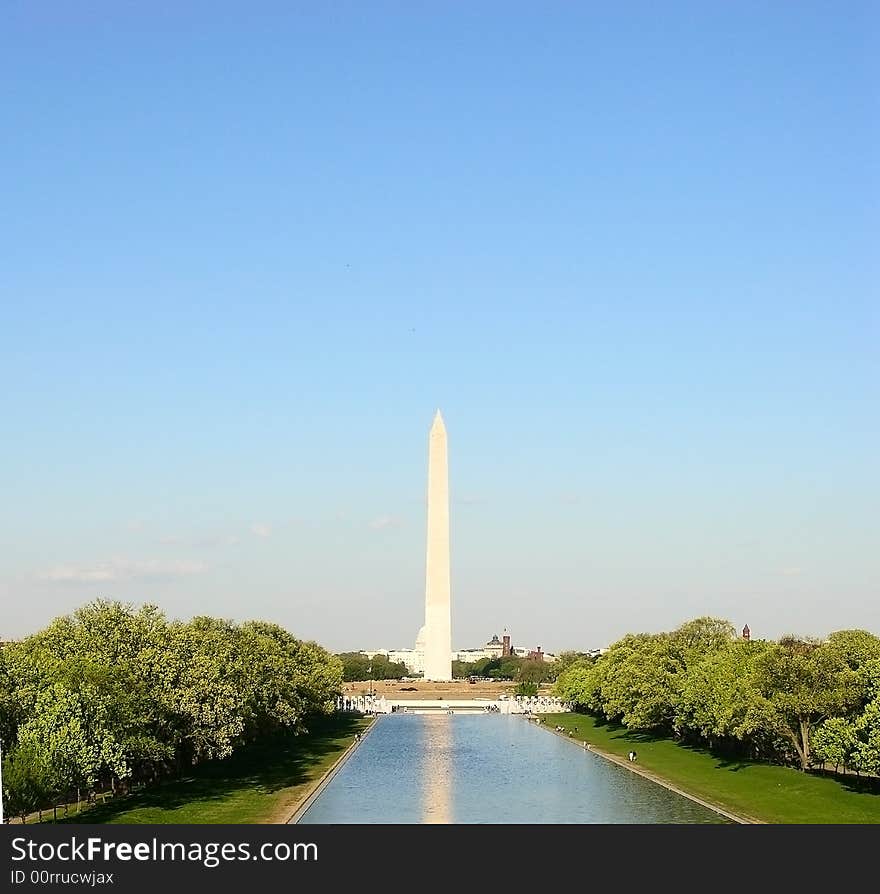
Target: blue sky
[{"x": 630, "y": 252}]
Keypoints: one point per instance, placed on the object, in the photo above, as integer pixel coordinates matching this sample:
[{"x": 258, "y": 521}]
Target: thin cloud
[
  {"x": 385, "y": 521},
  {"x": 114, "y": 570},
  {"x": 790, "y": 572},
  {"x": 260, "y": 529}
]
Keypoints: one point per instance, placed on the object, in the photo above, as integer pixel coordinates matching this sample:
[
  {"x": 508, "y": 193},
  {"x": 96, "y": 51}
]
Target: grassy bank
[
  {"x": 760, "y": 791},
  {"x": 258, "y": 784}
]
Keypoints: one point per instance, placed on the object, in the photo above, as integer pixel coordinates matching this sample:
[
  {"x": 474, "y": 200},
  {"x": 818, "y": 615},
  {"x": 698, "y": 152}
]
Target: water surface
[{"x": 488, "y": 769}]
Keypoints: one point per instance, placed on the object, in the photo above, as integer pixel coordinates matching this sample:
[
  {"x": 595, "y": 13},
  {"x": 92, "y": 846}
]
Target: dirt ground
[{"x": 455, "y": 689}]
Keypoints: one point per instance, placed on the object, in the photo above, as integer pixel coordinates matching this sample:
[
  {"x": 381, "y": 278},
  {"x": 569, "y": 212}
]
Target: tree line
[
  {"x": 800, "y": 701},
  {"x": 115, "y": 695},
  {"x": 512, "y": 667},
  {"x": 356, "y": 666}
]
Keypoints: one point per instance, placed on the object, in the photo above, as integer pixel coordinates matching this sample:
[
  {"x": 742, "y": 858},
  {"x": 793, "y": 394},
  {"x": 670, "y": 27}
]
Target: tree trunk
[
  {"x": 805, "y": 743},
  {"x": 798, "y": 747}
]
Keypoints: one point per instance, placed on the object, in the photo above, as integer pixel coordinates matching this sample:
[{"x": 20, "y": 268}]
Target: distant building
[
  {"x": 495, "y": 647},
  {"x": 747, "y": 634},
  {"x": 468, "y": 655},
  {"x": 414, "y": 659},
  {"x": 537, "y": 654}
]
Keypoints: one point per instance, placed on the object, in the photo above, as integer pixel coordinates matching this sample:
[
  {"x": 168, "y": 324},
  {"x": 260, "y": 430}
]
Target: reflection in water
[
  {"x": 488, "y": 769},
  {"x": 436, "y": 768}
]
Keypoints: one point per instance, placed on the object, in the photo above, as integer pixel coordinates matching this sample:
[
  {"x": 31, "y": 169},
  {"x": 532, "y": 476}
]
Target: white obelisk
[{"x": 437, "y": 632}]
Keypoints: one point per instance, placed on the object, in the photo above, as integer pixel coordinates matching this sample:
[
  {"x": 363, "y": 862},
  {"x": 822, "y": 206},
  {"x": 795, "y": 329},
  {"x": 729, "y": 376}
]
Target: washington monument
[{"x": 435, "y": 638}]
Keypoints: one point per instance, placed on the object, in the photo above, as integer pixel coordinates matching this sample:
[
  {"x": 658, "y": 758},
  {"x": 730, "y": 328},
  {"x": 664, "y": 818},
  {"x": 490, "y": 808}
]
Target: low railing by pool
[{"x": 384, "y": 704}]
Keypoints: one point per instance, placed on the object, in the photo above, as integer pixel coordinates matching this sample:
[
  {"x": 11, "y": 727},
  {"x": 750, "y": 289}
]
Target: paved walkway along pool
[{"x": 488, "y": 769}]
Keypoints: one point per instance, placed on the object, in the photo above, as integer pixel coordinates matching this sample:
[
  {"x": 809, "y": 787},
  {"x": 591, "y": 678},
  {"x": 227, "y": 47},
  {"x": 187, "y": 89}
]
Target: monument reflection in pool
[
  {"x": 464, "y": 768},
  {"x": 436, "y": 772}
]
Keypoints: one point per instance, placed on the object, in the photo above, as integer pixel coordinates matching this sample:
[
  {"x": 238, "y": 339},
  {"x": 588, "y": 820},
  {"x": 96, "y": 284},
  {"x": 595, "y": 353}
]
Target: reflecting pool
[{"x": 460, "y": 768}]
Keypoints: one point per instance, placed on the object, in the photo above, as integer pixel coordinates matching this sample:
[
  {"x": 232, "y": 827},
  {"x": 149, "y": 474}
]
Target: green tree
[
  {"x": 866, "y": 727},
  {"x": 112, "y": 693},
  {"x": 720, "y": 699},
  {"x": 565, "y": 660},
  {"x": 485, "y": 667},
  {"x": 356, "y": 667},
  {"x": 642, "y": 679},
  {"x": 536, "y": 672},
  {"x": 791, "y": 700},
  {"x": 69, "y": 733},
  {"x": 802, "y": 681},
  {"x": 857, "y": 650},
  {"x": 8, "y": 695},
  {"x": 835, "y": 742},
  {"x": 27, "y": 780},
  {"x": 693, "y": 640},
  {"x": 508, "y": 668},
  {"x": 580, "y": 685},
  {"x": 526, "y": 688},
  {"x": 866, "y": 754},
  {"x": 461, "y": 670},
  {"x": 384, "y": 669}
]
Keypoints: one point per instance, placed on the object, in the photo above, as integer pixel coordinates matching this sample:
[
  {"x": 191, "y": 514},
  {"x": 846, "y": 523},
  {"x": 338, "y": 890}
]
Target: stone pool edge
[
  {"x": 651, "y": 777},
  {"x": 324, "y": 781}
]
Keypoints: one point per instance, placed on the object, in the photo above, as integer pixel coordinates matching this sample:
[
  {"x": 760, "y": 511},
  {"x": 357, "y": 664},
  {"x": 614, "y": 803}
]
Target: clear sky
[{"x": 630, "y": 251}]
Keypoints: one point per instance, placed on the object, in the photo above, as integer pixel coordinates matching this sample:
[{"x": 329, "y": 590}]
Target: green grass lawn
[
  {"x": 258, "y": 784},
  {"x": 755, "y": 790}
]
